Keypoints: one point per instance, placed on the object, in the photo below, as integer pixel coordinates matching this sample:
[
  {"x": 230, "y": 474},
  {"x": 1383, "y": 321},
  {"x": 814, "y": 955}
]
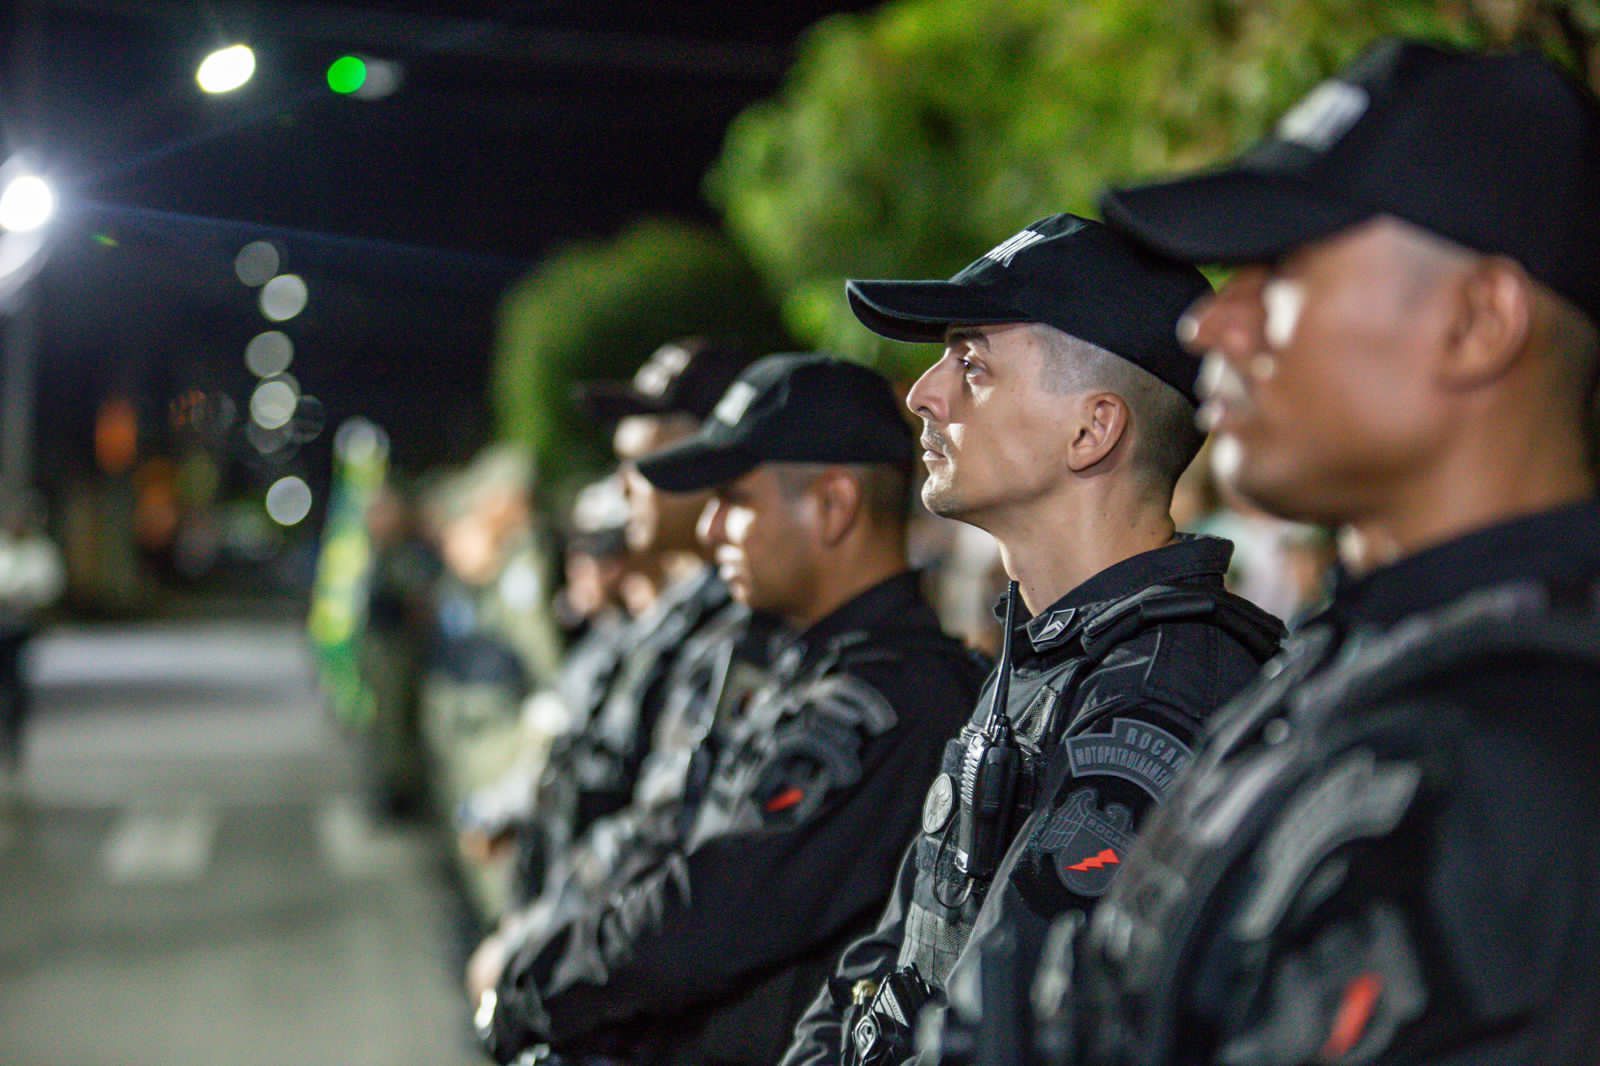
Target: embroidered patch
[
  {"x": 939, "y": 805},
  {"x": 1356, "y": 798},
  {"x": 659, "y": 370},
  {"x": 1055, "y": 624},
  {"x": 1325, "y": 115},
  {"x": 1007, "y": 250},
  {"x": 1144, "y": 754},
  {"x": 1086, "y": 842},
  {"x": 734, "y": 403}
]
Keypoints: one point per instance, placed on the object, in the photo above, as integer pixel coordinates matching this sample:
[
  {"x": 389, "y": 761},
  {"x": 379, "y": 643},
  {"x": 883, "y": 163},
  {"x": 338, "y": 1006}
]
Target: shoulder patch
[
  {"x": 1135, "y": 751},
  {"x": 851, "y": 701},
  {"x": 1357, "y": 797},
  {"x": 1086, "y": 842}
]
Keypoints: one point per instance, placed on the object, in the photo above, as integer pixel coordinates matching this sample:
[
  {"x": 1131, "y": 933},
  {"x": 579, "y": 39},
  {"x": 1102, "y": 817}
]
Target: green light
[{"x": 347, "y": 74}]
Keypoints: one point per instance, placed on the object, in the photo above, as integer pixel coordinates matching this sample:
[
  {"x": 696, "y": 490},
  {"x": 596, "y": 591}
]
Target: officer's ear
[
  {"x": 839, "y": 498},
  {"x": 1489, "y": 330},
  {"x": 1100, "y": 422}
]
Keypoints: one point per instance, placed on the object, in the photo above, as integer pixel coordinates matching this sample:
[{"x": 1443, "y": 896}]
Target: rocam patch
[
  {"x": 1087, "y": 842},
  {"x": 1134, "y": 751}
]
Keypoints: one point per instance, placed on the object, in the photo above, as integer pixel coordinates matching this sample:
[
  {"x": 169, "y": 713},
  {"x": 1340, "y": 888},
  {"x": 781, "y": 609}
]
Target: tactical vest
[
  {"x": 856, "y": 712},
  {"x": 1284, "y": 781},
  {"x": 946, "y": 901}
]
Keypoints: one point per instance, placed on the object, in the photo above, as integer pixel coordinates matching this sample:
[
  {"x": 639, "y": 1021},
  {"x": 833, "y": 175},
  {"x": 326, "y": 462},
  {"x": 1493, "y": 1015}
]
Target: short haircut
[
  {"x": 1166, "y": 438},
  {"x": 885, "y": 487}
]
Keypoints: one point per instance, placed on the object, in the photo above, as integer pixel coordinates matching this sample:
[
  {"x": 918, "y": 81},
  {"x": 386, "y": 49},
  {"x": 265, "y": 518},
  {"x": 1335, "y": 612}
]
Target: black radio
[{"x": 989, "y": 772}]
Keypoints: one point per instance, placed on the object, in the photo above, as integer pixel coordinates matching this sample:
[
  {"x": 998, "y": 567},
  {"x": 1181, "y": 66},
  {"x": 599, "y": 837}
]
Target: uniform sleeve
[
  {"x": 830, "y": 821},
  {"x": 1424, "y": 898},
  {"x": 819, "y": 1035}
]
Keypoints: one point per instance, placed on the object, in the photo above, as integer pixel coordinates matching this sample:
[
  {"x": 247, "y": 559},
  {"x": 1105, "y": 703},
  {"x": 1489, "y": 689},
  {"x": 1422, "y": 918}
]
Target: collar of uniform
[
  {"x": 1190, "y": 557},
  {"x": 890, "y": 598},
  {"x": 1560, "y": 544}
]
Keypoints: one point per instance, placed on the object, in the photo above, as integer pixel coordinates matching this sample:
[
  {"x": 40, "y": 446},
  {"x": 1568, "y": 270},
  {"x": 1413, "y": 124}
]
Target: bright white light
[
  {"x": 256, "y": 263},
  {"x": 26, "y": 204},
  {"x": 273, "y": 403},
  {"x": 269, "y": 354},
  {"x": 283, "y": 297},
  {"x": 226, "y": 70},
  {"x": 289, "y": 501}
]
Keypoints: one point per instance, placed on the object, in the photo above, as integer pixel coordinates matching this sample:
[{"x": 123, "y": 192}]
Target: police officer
[
  {"x": 1057, "y": 419},
  {"x": 709, "y": 955},
  {"x": 1386, "y": 851},
  {"x": 672, "y": 393},
  {"x": 593, "y": 773}
]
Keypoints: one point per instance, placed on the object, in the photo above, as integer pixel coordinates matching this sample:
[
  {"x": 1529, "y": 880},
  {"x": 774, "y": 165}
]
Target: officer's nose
[
  {"x": 1230, "y": 321},
  {"x": 711, "y": 527},
  {"x": 927, "y": 398}
]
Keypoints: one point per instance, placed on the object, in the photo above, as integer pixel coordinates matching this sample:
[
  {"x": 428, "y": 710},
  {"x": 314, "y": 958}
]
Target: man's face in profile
[{"x": 1317, "y": 384}]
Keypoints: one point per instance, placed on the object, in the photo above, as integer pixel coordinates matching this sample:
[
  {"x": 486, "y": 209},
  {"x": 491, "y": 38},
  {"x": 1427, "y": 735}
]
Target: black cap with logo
[
  {"x": 1500, "y": 153},
  {"x": 1062, "y": 271},
  {"x": 793, "y": 408},
  {"x": 684, "y": 377}
]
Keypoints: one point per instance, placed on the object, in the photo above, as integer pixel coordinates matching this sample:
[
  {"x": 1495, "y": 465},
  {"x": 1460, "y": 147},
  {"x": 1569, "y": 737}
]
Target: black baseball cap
[
  {"x": 1499, "y": 153},
  {"x": 1062, "y": 271},
  {"x": 685, "y": 377},
  {"x": 791, "y": 408}
]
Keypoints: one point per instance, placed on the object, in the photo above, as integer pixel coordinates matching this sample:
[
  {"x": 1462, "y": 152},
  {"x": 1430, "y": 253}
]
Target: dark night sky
[{"x": 518, "y": 126}]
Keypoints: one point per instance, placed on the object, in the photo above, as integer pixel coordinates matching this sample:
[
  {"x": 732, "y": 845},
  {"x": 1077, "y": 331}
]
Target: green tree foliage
[
  {"x": 597, "y": 309},
  {"x": 908, "y": 140}
]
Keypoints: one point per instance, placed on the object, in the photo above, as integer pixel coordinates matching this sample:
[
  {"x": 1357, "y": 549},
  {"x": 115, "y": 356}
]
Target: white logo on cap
[
  {"x": 734, "y": 403},
  {"x": 1324, "y": 116},
  {"x": 1006, "y": 251},
  {"x": 659, "y": 370}
]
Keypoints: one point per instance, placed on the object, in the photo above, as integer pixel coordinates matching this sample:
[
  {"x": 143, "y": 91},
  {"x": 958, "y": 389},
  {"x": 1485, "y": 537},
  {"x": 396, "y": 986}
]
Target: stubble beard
[{"x": 939, "y": 497}]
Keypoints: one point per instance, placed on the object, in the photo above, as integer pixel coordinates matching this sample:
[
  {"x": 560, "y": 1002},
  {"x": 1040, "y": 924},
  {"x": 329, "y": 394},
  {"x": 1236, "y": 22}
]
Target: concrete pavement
[{"x": 190, "y": 876}]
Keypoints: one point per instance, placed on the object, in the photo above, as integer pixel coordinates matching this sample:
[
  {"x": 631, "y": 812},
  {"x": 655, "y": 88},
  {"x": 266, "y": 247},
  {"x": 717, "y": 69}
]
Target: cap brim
[
  {"x": 921, "y": 311},
  {"x": 1230, "y": 216},
  {"x": 694, "y": 464}
]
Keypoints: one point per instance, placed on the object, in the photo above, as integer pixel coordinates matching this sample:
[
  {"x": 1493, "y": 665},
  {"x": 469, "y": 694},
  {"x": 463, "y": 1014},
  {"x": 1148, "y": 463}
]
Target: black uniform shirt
[
  {"x": 792, "y": 851},
  {"x": 1126, "y": 728},
  {"x": 592, "y": 773},
  {"x": 1405, "y": 876}
]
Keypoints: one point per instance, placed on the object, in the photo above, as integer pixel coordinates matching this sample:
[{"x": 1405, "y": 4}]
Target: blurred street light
[
  {"x": 289, "y": 500},
  {"x": 226, "y": 69},
  {"x": 347, "y": 74},
  {"x": 269, "y": 354},
  {"x": 27, "y": 203},
  {"x": 283, "y": 297},
  {"x": 257, "y": 263},
  {"x": 363, "y": 77},
  {"x": 273, "y": 402}
]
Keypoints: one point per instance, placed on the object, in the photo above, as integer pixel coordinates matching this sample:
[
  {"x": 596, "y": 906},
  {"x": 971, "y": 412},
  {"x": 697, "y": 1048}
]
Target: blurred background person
[
  {"x": 31, "y": 578},
  {"x": 394, "y": 647},
  {"x": 708, "y": 952}
]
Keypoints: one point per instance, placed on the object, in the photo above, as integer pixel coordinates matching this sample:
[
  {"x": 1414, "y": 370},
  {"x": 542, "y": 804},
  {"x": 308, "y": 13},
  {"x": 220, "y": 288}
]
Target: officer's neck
[
  {"x": 1052, "y": 548},
  {"x": 1427, "y": 519}
]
